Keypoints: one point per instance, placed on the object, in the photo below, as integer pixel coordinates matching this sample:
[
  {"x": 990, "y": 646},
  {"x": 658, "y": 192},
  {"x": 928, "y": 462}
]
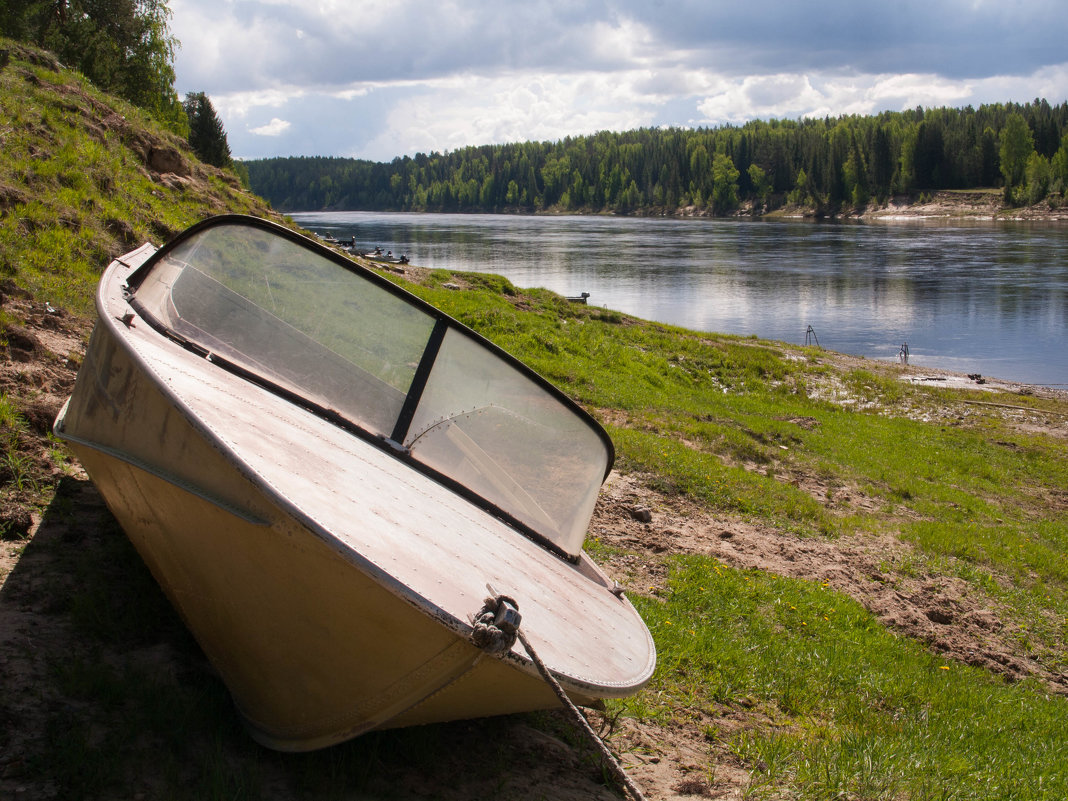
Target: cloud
[
  {"x": 251, "y": 44},
  {"x": 787, "y": 96},
  {"x": 377, "y": 80},
  {"x": 254, "y": 43},
  {"x": 469, "y": 110},
  {"x": 275, "y": 127},
  {"x": 951, "y": 38}
]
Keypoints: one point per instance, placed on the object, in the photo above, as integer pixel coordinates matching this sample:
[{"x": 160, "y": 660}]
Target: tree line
[{"x": 831, "y": 164}]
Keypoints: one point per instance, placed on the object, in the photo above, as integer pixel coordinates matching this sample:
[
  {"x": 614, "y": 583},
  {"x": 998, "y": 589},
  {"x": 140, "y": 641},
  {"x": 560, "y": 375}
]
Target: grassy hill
[
  {"x": 858, "y": 585},
  {"x": 85, "y": 176}
]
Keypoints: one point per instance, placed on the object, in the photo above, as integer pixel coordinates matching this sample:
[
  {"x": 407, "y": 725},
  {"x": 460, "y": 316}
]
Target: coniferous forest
[{"x": 833, "y": 165}]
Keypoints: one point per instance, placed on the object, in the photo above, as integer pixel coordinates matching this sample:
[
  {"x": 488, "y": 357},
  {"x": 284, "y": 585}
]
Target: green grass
[
  {"x": 703, "y": 475},
  {"x": 729, "y": 421},
  {"x": 73, "y": 187},
  {"x": 855, "y": 711},
  {"x": 848, "y": 709},
  {"x": 17, "y": 470},
  {"x": 695, "y": 405}
]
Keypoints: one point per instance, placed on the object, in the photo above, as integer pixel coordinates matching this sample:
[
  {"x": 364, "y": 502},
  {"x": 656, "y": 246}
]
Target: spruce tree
[{"x": 206, "y": 134}]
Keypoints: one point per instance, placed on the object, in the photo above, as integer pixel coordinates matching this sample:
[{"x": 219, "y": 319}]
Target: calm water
[{"x": 977, "y": 298}]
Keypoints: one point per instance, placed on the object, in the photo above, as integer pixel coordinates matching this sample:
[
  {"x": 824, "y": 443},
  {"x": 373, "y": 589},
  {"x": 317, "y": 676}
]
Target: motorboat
[
  {"x": 377, "y": 255},
  {"x": 331, "y": 479}
]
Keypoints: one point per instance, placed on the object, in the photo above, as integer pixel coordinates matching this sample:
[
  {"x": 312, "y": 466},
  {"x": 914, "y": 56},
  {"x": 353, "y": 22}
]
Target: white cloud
[
  {"x": 242, "y": 104},
  {"x": 376, "y": 79},
  {"x": 790, "y": 96},
  {"x": 453, "y": 114},
  {"x": 275, "y": 127}
]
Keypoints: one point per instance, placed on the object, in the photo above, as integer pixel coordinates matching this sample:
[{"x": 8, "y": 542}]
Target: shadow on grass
[{"x": 106, "y": 694}]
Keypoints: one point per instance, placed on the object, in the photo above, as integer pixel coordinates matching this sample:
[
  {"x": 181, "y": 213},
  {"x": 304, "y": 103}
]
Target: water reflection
[{"x": 979, "y": 297}]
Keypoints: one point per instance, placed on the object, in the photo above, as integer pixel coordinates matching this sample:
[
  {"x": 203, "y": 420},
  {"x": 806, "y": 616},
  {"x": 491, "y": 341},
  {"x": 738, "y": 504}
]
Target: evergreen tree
[
  {"x": 840, "y": 161},
  {"x": 989, "y": 156},
  {"x": 928, "y": 156},
  {"x": 206, "y": 134},
  {"x": 881, "y": 164}
]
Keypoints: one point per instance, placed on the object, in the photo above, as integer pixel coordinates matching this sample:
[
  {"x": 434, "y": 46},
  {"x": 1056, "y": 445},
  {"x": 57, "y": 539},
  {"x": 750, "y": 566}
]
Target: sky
[{"x": 377, "y": 79}]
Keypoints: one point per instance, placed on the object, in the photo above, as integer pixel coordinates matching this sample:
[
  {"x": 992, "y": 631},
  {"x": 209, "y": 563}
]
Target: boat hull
[
  {"x": 254, "y": 596},
  {"x": 323, "y": 624}
]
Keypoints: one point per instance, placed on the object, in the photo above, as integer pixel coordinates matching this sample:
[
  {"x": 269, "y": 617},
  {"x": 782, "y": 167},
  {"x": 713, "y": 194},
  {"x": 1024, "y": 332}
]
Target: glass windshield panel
[
  {"x": 294, "y": 317},
  {"x": 498, "y": 432},
  {"x": 298, "y": 319}
]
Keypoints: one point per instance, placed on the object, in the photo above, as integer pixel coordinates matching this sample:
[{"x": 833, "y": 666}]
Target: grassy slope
[
  {"x": 76, "y": 185},
  {"x": 737, "y": 424}
]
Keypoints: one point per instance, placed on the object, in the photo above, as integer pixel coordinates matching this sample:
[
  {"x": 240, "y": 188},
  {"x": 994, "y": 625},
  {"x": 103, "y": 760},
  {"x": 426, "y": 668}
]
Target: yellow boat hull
[{"x": 329, "y": 584}]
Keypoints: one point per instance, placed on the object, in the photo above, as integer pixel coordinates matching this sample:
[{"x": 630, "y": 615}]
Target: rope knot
[{"x": 496, "y": 625}]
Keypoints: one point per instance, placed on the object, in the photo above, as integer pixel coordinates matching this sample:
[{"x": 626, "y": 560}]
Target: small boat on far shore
[
  {"x": 327, "y": 476},
  {"x": 387, "y": 257}
]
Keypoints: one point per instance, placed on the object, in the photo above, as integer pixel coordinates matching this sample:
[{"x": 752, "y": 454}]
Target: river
[{"x": 974, "y": 297}]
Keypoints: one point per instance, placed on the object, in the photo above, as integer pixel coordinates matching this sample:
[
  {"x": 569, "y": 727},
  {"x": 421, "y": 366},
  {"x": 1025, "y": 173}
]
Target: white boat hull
[{"x": 329, "y": 584}]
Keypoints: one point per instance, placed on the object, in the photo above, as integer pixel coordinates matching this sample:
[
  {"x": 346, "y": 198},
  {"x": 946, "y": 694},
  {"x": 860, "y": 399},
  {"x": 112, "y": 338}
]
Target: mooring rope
[{"x": 498, "y": 623}]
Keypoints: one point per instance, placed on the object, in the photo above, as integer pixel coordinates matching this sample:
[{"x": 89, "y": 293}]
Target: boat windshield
[{"x": 348, "y": 342}]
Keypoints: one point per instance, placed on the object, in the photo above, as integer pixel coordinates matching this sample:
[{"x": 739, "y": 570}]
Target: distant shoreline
[
  {"x": 979, "y": 205},
  {"x": 947, "y": 204},
  {"x": 967, "y": 204}
]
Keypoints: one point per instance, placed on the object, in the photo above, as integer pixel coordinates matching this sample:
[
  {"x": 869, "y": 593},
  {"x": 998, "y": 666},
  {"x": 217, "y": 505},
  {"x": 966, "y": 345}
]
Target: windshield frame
[{"x": 443, "y": 326}]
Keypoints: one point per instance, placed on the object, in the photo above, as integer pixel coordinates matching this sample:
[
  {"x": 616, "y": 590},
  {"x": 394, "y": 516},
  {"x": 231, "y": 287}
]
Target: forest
[{"x": 832, "y": 165}]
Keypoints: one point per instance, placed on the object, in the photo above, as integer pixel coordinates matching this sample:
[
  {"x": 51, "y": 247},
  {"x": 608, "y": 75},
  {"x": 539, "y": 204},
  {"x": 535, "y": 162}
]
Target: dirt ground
[{"x": 668, "y": 762}]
